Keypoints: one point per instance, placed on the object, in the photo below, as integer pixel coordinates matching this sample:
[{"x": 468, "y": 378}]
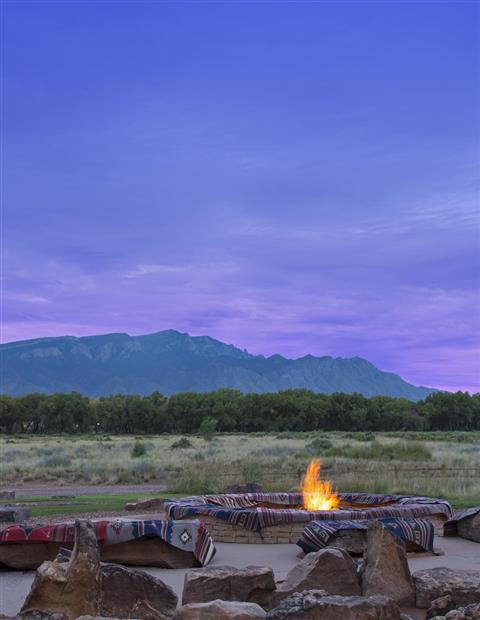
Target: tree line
[{"x": 229, "y": 410}]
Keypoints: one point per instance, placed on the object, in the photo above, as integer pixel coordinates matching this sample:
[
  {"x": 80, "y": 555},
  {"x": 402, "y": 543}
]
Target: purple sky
[{"x": 289, "y": 177}]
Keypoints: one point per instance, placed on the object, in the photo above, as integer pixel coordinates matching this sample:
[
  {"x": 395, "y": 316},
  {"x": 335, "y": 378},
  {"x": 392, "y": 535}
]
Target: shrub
[
  {"x": 318, "y": 445},
  {"x": 55, "y": 460},
  {"x": 207, "y": 428},
  {"x": 181, "y": 444},
  {"x": 139, "y": 449},
  {"x": 8, "y": 456},
  {"x": 145, "y": 470}
]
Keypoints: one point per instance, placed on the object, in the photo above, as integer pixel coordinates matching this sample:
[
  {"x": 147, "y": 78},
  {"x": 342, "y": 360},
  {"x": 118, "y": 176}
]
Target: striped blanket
[
  {"x": 317, "y": 534},
  {"x": 189, "y": 536},
  {"x": 255, "y": 511}
]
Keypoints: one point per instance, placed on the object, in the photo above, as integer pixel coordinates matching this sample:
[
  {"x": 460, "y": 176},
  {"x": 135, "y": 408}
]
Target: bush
[
  {"x": 145, "y": 470},
  {"x": 55, "y": 460},
  {"x": 139, "y": 449},
  {"x": 318, "y": 445},
  {"x": 181, "y": 444},
  {"x": 11, "y": 455},
  {"x": 207, "y": 428}
]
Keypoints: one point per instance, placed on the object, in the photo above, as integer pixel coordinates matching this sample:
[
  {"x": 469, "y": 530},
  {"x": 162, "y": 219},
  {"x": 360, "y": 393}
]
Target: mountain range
[{"x": 170, "y": 362}]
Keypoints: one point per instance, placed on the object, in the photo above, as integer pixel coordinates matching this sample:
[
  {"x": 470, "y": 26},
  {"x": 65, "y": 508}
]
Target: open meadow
[{"x": 432, "y": 464}]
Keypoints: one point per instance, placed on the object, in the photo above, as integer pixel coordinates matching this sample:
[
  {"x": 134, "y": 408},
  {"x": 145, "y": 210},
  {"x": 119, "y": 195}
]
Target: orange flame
[{"x": 317, "y": 494}]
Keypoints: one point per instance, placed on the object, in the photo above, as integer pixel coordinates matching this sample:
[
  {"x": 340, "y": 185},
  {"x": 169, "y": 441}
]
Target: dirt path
[{"x": 118, "y": 489}]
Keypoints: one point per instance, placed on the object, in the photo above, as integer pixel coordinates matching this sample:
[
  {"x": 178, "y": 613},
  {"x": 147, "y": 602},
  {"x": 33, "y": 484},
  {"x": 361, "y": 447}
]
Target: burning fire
[{"x": 317, "y": 494}]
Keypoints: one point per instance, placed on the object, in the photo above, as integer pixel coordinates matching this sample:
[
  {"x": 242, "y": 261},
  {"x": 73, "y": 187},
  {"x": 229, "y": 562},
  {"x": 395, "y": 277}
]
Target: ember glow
[{"x": 318, "y": 494}]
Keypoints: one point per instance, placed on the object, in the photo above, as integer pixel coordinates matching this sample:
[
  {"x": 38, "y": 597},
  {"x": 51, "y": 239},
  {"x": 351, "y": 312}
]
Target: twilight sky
[{"x": 289, "y": 177}]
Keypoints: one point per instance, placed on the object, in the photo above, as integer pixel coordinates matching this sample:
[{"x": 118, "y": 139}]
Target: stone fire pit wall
[{"x": 280, "y": 518}]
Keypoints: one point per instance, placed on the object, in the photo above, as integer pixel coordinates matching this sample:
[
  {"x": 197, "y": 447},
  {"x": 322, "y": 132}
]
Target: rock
[
  {"x": 37, "y": 614},
  {"x": 462, "y": 585},
  {"x": 332, "y": 570},
  {"x": 440, "y": 606},
  {"x": 253, "y": 584},
  {"x": 444, "y": 606},
  {"x": 219, "y": 610},
  {"x": 128, "y": 593},
  {"x": 385, "y": 568},
  {"x": 470, "y": 612},
  {"x": 71, "y": 587},
  {"x": 250, "y": 487},
  {"x": 7, "y": 494},
  {"x": 149, "y": 503},
  {"x": 469, "y": 527},
  {"x": 14, "y": 514},
  {"x": 315, "y": 604}
]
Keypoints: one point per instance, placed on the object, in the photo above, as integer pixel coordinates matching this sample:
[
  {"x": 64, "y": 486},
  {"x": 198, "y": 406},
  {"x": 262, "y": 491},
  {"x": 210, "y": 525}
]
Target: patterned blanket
[
  {"x": 185, "y": 535},
  {"x": 317, "y": 534},
  {"x": 254, "y": 511}
]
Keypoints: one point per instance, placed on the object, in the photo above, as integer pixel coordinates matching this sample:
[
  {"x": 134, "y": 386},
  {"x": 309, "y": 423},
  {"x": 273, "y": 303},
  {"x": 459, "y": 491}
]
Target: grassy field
[{"x": 434, "y": 464}]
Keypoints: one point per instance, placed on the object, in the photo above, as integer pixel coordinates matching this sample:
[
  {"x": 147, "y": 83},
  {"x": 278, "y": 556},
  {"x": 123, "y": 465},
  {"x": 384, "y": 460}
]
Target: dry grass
[{"x": 436, "y": 465}]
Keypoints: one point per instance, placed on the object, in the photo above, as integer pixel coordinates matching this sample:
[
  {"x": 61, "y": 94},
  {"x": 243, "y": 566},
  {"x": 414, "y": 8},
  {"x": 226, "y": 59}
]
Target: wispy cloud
[{"x": 147, "y": 269}]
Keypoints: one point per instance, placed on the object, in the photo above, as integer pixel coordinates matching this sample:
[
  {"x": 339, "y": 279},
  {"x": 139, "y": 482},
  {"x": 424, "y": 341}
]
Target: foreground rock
[
  {"x": 332, "y": 570},
  {"x": 219, "y": 610},
  {"x": 385, "y": 568},
  {"x": 441, "y": 608},
  {"x": 314, "y": 604},
  {"x": 36, "y": 614},
  {"x": 128, "y": 593},
  {"x": 81, "y": 586},
  {"x": 149, "y": 503},
  {"x": 71, "y": 587},
  {"x": 253, "y": 584},
  {"x": 469, "y": 527},
  {"x": 462, "y": 585},
  {"x": 470, "y": 612}
]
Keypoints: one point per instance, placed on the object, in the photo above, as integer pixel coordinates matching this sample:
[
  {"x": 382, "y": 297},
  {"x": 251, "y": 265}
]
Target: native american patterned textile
[
  {"x": 450, "y": 528},
  {"x": 254, "y": 511},
  {"x": 189, "y": 536},
  {"x": 317, "y": 534}
]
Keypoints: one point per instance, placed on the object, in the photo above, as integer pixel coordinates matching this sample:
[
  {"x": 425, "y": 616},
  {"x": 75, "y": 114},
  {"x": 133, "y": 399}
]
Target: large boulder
[
  {"x": 128, "y": 593},
  {"x": 71, "y": 587},
  {"x": 469, "y": 527},
  {"x": 253, "y": 584},
  {"x": 315, "y": 604},
  {"x": 462, "y": 585},
  {"x": 385, "y": 567},
  {"x": 219, "y": 610},
  {"x": 332, "y": 570}
]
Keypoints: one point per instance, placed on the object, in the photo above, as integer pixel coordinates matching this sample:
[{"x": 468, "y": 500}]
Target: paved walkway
[{"x": 459, "y": 553}]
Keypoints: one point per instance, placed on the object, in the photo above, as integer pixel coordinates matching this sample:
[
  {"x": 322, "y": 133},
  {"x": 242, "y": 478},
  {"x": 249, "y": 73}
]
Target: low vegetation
[{"x": 442, "y": 465}]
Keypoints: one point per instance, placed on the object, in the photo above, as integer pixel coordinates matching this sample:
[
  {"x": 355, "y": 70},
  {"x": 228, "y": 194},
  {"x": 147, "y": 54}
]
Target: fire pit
[{"x": 282, "y": 517}]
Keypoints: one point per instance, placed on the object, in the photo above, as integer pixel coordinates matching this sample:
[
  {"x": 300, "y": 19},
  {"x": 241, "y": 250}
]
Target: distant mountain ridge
[{"x": 170, "y": 361}]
